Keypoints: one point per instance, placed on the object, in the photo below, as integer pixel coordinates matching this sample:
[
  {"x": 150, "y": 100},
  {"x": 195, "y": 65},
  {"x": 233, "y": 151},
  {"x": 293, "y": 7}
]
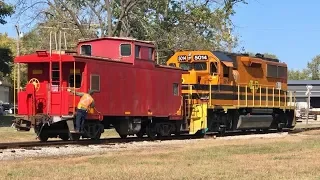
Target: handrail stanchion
[
  {"x": 246, "y": 95},
  {"x": 279, "y": 97},
  {"x": 273, "y": 97},
  {"x": 260, "y": 97},
  {"x": 210, "y": 93},
  {"x": 238, "y": 95},
  {"x": 267, "y": 96},
  {"x": 253, "y": 94},
  {"x": 285, "y": 99}
]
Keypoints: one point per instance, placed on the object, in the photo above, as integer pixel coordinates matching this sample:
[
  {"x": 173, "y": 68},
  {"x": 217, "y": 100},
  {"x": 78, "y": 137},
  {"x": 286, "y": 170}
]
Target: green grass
[{"x": 294, "y": 157}]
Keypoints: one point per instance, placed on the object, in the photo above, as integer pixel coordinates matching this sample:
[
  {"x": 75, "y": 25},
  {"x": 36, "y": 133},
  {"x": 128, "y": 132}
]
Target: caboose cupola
[{"x": 115, "y": 48}]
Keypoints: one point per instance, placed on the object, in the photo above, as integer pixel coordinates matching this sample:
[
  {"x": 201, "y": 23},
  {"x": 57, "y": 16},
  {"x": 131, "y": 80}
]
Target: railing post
[
  {"x": 246, "y": 95},
  {"x": 260, "y": 97},
  {"x": 285, "y": 99},
  {"x": 279, "y": 98},
  {"x": 267, "y": 96},
  {"x": 253, "y": 90},
  {"x": 273, "y": 97},
  {"x": 238, "y": 95},
  {"x": 210, "y": 93}
]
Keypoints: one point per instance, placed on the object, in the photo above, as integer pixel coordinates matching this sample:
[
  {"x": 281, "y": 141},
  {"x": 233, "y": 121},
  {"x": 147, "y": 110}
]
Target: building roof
[{"x": 304, "y": 82}]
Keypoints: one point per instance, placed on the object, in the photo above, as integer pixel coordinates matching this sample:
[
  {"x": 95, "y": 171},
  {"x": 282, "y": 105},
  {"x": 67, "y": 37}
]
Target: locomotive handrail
[{"x": 276, "y": 93}]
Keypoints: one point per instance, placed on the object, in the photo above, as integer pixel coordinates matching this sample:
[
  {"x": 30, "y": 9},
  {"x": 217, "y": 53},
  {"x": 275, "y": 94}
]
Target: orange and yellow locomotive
[{"x": 227, "y": 91}]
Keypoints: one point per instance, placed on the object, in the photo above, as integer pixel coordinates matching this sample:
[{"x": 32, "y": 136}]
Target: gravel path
[{"x": 14, "y": 154}]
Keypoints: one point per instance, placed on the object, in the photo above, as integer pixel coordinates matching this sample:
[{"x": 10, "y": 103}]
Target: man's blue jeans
[{"x": 80, "y": 117}]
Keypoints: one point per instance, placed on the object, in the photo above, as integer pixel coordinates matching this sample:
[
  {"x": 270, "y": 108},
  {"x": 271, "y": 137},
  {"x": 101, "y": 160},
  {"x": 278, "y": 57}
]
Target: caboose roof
[
  {"x": 43, "y": 56},
  {"x": 115, "y": 38}
]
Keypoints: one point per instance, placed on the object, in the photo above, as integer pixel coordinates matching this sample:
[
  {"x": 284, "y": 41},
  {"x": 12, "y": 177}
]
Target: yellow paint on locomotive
[{"x": 216, "y": 80}]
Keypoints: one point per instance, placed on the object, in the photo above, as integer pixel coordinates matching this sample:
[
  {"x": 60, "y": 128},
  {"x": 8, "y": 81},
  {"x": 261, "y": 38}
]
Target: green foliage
[
  {"x": 6, "y": 54},
  {"x": 5, "y": 11},
  {"x": 298, "y": 74},
  {"x": 313, "y": 68}
]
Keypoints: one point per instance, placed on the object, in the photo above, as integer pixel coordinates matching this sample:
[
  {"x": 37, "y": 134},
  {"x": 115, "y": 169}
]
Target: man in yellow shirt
[{"x": 86, "y": 101}]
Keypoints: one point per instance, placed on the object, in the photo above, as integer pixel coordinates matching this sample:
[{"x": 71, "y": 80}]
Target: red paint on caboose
[{"x": 130, "y": 87}]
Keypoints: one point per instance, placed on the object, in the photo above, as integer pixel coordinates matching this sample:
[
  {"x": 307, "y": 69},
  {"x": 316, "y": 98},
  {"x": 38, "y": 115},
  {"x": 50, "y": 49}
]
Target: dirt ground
[{"x": 286, "y": 157}]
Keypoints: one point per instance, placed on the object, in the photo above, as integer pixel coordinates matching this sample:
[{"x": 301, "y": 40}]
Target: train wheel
[
  {"x": 93, "y": 130},
  {"x": 64, "y": 137},
  {"x": 140, "y": 134},
  {"x": 151, "y": 131},
  {"x": 75, "y": 136},
  {"x": 123, "y": 136},
  {"x": 43, "y": 137}
]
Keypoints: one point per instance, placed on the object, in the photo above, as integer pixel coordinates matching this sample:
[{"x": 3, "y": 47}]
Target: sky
[{"x": 289, "y": 29}]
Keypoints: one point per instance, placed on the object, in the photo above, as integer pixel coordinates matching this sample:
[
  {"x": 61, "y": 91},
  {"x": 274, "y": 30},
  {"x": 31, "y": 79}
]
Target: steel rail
[{"x": 113, "y": 141}]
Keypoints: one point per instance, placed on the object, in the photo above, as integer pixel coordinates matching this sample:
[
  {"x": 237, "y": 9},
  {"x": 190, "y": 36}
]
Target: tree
[
  {"x": 5, "y": 11},
  {"x": 172, "y": 24},
  {"x": 6, "y": 55},
  {"x": 313, "y": 68},
  {"x": 298, "y": 74}
]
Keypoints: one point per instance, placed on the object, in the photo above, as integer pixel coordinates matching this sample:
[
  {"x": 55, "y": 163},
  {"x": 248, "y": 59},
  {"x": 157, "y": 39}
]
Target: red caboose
[{"x": 133, "y": 94}]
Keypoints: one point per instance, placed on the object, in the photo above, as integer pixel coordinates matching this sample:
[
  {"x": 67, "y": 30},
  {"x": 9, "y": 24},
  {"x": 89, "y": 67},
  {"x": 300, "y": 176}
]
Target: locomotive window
[
  {"x": 150, "y": 53},
  {"x": 86, "y": 50},
  {"x": 225, "y": 71},
  {"x": 175, "y": 89},
  {"x": 185, "y": 66},
  {"x": 78, "y": 80},
  {"x": 213, "y": 68},
  {"x": 172, "y": 64},
  {"x": 137, "y": 51},
  {"x": 282, "y": 71},
  {"x": 272, "y": 71},
  {"x": 95, "y": 82},
  {"x": 125, "y": 49},
  {"x": 200, "y": 66}
]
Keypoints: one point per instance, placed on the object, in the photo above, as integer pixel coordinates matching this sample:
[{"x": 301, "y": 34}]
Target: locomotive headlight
[{"x": 182, "y": 80}]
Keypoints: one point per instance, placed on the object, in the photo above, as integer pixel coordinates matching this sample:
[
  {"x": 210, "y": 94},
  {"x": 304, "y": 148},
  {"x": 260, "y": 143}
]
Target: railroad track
[{"x": 112, "y": 141}]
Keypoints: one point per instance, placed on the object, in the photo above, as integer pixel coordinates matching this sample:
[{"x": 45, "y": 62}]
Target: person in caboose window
[{"x": 86, "y": 102}]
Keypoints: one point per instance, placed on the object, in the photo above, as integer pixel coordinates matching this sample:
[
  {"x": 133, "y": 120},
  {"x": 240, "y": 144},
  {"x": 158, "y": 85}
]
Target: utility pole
[
  {"x": 308, "y": 93},
  {"x": 18, "y": 54}
]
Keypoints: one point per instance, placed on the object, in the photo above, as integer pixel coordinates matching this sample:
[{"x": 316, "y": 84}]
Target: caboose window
[
  {"x": 125, "y": 49},
  {"x": 86, "y": 50},
  {"x": 137, "y": 51},
  {"x": 150, "y": 53},
  {"x": 175, "y": 89},
  {"x": 95, "y": 82},
  {"x": 78, "y": 80}
]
